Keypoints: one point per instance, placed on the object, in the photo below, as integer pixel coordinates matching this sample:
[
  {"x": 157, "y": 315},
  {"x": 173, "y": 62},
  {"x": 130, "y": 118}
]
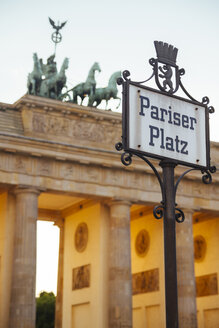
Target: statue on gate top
[{"x": 46, "y": 81}]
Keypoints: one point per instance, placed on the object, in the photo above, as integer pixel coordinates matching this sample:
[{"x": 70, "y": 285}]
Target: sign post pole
[
  {"x": 170, "y": 244},
  {"x": 174, "y": 130}
]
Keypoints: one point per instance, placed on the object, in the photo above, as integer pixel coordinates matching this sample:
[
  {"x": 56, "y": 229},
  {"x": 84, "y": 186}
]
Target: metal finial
[{"x": 56, "y": 36}]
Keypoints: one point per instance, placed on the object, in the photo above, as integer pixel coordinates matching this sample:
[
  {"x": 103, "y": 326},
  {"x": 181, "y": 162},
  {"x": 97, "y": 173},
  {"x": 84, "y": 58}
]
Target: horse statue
[
  {"x": 61, "y": 79},
  {"x": 54, "y": 82},
  {"x": 35, "y": 77},
  {"x": 106, "y": 93},
  {"x": 86, "y": 88}
]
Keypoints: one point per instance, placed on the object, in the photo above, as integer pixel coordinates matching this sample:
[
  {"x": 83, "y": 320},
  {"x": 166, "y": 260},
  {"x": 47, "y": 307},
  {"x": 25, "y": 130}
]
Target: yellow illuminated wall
[
  {"x": 208, "y": 306},
  {"x": 83, "y": 307}
]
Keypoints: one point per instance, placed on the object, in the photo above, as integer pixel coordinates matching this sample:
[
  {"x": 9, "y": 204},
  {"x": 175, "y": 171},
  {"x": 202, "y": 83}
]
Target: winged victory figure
[{"x": 57, "y": 27}]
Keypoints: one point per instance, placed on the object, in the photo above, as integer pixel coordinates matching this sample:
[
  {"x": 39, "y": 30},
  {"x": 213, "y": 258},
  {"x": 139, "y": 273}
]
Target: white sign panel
[{"x": 166, "y": 126}]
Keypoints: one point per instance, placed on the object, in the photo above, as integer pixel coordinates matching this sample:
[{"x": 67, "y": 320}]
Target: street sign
[
  {"x": 175, "y": 130},
  {"x": 164, "y": 126}
]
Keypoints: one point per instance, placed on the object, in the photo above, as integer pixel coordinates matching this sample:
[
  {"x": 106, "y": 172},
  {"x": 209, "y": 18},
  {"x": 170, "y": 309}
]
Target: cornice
[{"x": 66, "y": 109}]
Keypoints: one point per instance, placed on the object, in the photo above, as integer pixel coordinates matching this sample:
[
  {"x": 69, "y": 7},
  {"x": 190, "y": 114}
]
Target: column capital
[
  {"x": 188, "y": 210},
  {"x": 118, "y": 201},
  {"x": 26, "y": 189}
]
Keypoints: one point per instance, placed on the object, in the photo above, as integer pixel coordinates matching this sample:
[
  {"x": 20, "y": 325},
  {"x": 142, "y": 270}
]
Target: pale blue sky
[{"x": 117, "y": 34}]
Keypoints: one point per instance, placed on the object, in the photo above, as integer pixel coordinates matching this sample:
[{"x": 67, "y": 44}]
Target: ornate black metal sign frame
[
  {"x": 168, "y": 80},
  {"x": 126, "y": 124}
]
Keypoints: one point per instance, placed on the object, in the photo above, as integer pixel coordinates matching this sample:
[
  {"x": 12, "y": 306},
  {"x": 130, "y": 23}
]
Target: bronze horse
[
  {"x": 105, "y": 93},
  {"x": 86, "y": 88}
]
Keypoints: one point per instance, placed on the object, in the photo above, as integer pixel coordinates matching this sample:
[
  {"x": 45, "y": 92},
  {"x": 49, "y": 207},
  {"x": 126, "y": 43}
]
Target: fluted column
[
  {"x": 120, "y": 279},
  {"x": 185, "y": 272},
  {"x": 22, "y": 305},
  {"x": 59, "y": 297}
]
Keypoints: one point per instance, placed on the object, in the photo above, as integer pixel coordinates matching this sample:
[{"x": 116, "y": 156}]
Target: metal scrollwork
[
  {"x": 213, "y": 169},
  {"x": 211, "y": 109},
  {"x": 152, "y": 61},
  {"x": 119, "y": 146},
  {"x": 126, "y": 159},
  {"x": 205, "y": 100},
  {"x": 158, "y": 211},
  {"x": 182, "y": 71},
  {"x": 126, "y": 74},
  {"x": 206, "y": 178},
  {"x": 120, "y": 81},
  {"x": 180, "y": 216}
]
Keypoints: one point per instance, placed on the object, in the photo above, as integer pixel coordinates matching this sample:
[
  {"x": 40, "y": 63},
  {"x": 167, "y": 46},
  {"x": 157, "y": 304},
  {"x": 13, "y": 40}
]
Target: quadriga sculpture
[
  {"x": 45, "y": 80},
  {"x": 85, "y": 88},
  {"x": 105, "y": 93},
  {"x": 52, "y": 85}
]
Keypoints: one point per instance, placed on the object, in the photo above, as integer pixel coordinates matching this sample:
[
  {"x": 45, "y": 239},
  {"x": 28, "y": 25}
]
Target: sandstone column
[
  {"x": 185, "y": 272},
  {"x": 23, "y": 307},
  {"x": 120, "y": 279},
  {"x": 59, "y": 297},
  {"x": 6, "y": 265}
]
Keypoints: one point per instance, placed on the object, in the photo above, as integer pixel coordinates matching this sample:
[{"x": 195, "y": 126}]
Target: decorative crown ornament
[{"x": 166, "y": 52}]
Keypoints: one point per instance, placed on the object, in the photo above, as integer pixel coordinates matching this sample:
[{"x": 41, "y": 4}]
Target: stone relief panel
[
  {"x": 4, "y": 161},
  {"x": 145, "y": 282},
  {"x": 207, "y": 285},
  {"x": 135, "y": 180},
  {"x": 90, "y": 173},
  {"x": 81, "y": 237},
  {"x": 142, "y": 180},
  {"x": 81, "y": 277},
  {"x": 113, "y": 177},
  {"x": 40, "y": 123},
  {"x": 200, "y": 247},
  {"x": 76, "y": 128},
  {"x": 56, "y": 125},
  {"x": 142, "y": 243},
  {"x": 67, "y": 170},
  {"x": 19, "y": 163},
  {"x": 45, "y": 167}
]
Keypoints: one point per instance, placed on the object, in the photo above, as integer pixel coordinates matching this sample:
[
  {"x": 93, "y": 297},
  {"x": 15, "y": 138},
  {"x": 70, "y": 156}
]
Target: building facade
[{"x": 58, "y": 163}]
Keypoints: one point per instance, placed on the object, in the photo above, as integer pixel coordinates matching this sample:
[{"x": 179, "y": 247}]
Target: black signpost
[{"x": 175, "y": 130}]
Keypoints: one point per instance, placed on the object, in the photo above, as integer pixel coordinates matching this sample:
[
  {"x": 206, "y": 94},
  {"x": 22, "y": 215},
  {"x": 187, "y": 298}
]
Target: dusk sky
[{"x": 118, "y": 35}]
